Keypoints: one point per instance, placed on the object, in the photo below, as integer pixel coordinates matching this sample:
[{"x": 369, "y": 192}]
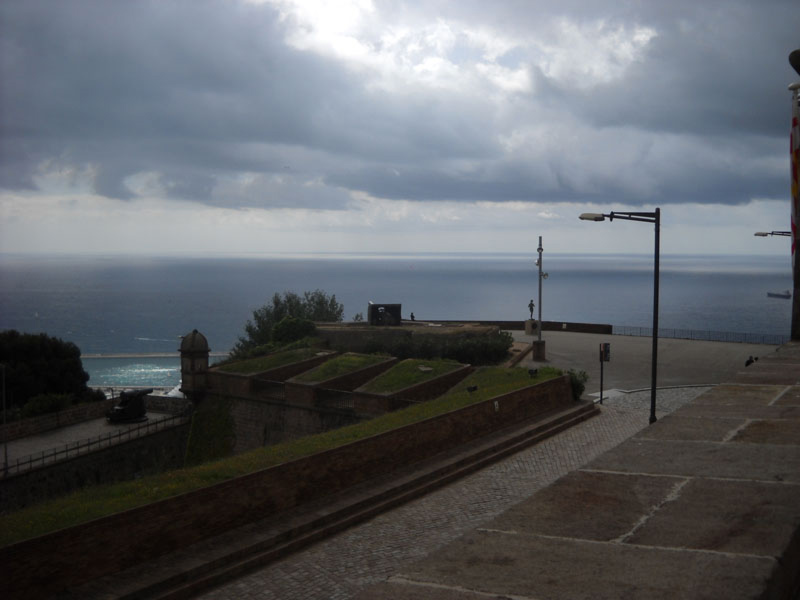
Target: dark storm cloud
[{"x": 206, "y": 95}]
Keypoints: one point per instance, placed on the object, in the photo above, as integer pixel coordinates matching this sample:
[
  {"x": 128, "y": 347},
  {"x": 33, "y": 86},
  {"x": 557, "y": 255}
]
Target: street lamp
[
  {"x": 645, "y": 217},
  {"x": 767, "y": 233},
  {"x": 538, "y": 346}
]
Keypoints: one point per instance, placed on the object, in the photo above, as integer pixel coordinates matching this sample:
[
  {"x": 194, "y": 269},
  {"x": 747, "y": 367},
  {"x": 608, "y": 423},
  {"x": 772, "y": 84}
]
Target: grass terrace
[
  {"x": 490, "y": 382},
  {"x": 340, "y": 365},
  {"x": 407, "y": 373},
  {"x": 94, "y": 502},
  {"x": 271, "y": 361}
]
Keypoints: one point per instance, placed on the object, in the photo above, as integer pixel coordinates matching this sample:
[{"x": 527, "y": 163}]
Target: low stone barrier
[
  {"x": 112, "y": 543},
  {"x": 161, "y": 450},
  {"x": 62, "y": 418}
]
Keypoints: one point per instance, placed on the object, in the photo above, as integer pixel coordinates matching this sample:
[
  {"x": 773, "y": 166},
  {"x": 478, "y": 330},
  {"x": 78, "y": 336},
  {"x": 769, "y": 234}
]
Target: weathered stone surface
[
  {"x": 739, "y": 411},
  {"x": 545, "y": 567},
  {"x": 770, "y": 375},
  {"x": 728, "y": 516},
  {"x": 764, "y": 462},
  {"x": 790, "y": 397},
  {"x": 587, "y": 505},
  {"x": 402, "y": 589},
  {"x": 674, "y": 427},
  {"x": 785, "y": 431},
  {"x": 740, "y": 394}
]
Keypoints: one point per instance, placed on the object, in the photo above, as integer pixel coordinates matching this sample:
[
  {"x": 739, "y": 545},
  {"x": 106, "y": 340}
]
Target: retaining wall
[
  {"x": 377, "y": 404},
  {"x": 118, "y": 541},
  {"x": 155, "y": 452},
  {"x": 62, "y": 418},
  {"x": 305, "y": 394},
  {"x": 263, "y": 422}
]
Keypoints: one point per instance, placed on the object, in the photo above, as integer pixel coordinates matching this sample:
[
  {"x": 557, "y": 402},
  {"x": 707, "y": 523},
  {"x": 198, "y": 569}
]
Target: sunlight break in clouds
[{"x": 377, "y": 125}]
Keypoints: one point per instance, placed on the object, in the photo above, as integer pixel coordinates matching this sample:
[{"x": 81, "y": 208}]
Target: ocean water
[{"x": 119, "y": 305}]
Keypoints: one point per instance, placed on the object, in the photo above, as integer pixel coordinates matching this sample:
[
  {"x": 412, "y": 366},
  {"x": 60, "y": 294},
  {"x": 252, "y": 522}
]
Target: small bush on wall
[{"x": 291, "y": 329}]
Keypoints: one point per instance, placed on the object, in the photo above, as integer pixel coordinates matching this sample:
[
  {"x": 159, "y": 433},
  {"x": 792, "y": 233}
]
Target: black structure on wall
[{"x": 384, "y": 314}]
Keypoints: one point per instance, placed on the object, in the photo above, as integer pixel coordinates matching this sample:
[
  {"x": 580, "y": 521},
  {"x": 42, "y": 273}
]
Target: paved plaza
[
  {"x": 346, "y": 564},
  {"x": 680, "y": 362}
]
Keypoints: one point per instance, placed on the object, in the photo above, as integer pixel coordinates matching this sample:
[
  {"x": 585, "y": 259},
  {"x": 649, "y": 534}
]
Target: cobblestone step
[{"x": 222, "y": 559}]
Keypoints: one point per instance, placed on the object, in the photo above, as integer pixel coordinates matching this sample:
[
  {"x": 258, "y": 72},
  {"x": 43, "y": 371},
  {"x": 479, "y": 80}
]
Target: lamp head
[
  {"x": 592, "y": 217},
  {"x": 761, "y": 234},
  {"x": 545, "y": 276}
]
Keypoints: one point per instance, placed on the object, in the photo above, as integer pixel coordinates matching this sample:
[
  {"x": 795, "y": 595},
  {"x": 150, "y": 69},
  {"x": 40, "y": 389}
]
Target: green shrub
[
  {"x": 46, "y": 403},
  {"x": 474, "y": 350},
  {"x": 313, "y": 306},
  {"x": 291, "y": 329},
  {"x": 577, "y": 379}
]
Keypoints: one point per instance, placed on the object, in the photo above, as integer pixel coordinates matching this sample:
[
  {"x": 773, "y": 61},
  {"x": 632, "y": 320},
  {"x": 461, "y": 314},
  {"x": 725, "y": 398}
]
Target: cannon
[{"x": 130, "y": 408}]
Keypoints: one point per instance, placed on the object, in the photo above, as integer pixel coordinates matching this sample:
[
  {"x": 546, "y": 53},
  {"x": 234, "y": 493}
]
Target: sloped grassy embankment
[{"x": 99, "y": 501}]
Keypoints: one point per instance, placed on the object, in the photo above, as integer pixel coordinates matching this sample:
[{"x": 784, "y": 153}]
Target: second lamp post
[{"x": 646, "y": 217}]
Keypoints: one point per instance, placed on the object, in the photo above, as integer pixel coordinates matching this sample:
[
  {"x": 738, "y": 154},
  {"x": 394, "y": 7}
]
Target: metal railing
[
  {"x": 74, "y": 449},
  {"x": 771, "y": 339}
]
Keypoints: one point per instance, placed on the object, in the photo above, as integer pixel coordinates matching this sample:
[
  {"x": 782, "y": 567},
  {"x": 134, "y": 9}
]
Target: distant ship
[{"x": 786, "y": 294}]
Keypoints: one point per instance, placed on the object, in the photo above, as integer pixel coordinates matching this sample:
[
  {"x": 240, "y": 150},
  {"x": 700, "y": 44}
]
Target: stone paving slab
[
  {"x": 760, "y": 462},
  {"x": 589, "y": 506},
  {"x": 784, "y": 431},
  {"x": 741, "y": 517},
  {"x": 779, "y": 367},
  {"x": 747, "y": 395},
  {"x": 790, "y": 397},
  {"x": 773, "y": 376},
  {"x": 502, "y": 564},
  {"x": 741, "y": 411},
  {"x": 693, "y": 428}
]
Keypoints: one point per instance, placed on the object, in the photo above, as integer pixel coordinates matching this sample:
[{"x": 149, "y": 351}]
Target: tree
[
  {"x": 311, "y": 306},
  {"x": 37, "y": 365}
]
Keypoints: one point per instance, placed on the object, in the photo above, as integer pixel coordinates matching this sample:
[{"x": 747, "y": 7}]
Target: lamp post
[
  {"x": 646, "y": 217},
  {"x": 542, "y": 275},
  {"x": 767, "y": 233},
  {"x": 538, "y": 346}
]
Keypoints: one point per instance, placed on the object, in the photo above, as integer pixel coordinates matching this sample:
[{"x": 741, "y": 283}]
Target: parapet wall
[
  {"x": 152, "y": 453},
  {"x": 84, "y": 412},
  {"x": 119, "y": 541},
  {"x": 377, "y": 404},
  {"x": 62, "y": 418}
]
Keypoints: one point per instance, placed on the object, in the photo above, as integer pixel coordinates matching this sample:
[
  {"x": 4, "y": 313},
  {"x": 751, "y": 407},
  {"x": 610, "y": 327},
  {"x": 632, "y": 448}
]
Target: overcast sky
[{"x": 209, "y": 127}]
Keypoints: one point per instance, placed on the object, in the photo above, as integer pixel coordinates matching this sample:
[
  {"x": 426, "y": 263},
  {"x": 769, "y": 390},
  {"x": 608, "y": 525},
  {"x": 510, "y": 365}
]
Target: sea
[{"x": 123, "y": 312}]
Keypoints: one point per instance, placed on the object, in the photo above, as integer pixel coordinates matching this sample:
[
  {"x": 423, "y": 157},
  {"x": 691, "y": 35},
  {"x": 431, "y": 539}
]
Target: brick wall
[{"x": 50, "y": 563}]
